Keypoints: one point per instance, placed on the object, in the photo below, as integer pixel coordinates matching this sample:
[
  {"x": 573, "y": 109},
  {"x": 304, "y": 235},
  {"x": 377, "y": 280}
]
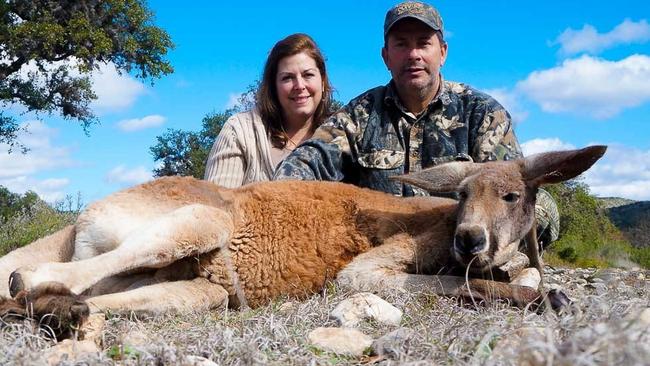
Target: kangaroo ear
[
  {"x": 558, "y": 166},
  {"x": 440, "y": 178}
]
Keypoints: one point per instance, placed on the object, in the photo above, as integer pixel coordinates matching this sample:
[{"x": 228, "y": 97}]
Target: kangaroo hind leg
[{"x": 186, "y": 231}]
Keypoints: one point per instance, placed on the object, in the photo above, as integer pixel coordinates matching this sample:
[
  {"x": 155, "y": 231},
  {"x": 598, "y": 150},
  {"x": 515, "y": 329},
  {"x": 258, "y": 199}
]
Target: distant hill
[
  {"x": 609, "y": 202},
  {"x": 631, "y": 217}
]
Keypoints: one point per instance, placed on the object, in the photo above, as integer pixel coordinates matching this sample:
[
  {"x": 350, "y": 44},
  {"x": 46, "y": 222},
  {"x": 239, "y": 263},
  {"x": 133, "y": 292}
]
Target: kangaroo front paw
[{"x": 57, "y": 310}]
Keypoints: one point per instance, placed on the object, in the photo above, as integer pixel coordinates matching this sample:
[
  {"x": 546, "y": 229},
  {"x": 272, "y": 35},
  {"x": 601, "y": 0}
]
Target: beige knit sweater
[{"x": 241, "y": 153}]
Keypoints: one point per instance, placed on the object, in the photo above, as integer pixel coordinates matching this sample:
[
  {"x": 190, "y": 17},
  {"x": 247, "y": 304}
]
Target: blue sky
[{"x": 571, "y": 74}]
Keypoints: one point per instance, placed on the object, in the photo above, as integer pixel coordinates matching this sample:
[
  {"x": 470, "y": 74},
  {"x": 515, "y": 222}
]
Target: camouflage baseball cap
[{"x": 425, "y": 13}]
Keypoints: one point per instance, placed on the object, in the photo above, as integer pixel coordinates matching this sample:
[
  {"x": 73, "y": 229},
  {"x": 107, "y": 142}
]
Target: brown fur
[
  {"x": 57, "y": 310},
  {"x": 182, "y": 244}
]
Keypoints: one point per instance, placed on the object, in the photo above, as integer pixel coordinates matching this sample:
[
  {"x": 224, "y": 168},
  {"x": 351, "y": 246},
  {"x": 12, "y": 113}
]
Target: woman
[{"x": 293, "y": 99}]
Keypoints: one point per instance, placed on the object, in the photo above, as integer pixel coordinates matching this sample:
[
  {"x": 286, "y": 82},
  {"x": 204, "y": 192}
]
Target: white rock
[
  {"x": 393, "y": 344},
  {"x": 644, "y": 316},
  {"x": 528, "y": 277},
  {"x": 641, "y": 318},
  {"x": 287, "y": 307},
  {"x": 365, "y": 305},
  {"x": 69, "y": 350},
  {"x": 136, "y": 338},
  {"x": 198, "y": 361},
  {"x": 508, "y": 348},
  {"x": 344, "y": 341},
  {"x": 93, "y": 328}
]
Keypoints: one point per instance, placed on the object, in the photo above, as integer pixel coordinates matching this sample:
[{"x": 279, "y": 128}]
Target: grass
[{"x": 600, "y": 329}]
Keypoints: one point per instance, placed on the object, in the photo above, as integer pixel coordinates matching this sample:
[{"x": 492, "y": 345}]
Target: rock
[
  {"x": 136, "y": 340},
  {"x": 608, "y": 275},
  {"x": 93, "y": 327},
  {"x": 644, "y": 317},
  {"x": 344, "y": 341},
  {"x": 512, "y": 268},
  {"x": 287, "y": 307},
  {"x": 528, "y": 277},
  {"x": 197, "y": 361},
  {"x": 393, "y": 344},
  {"x": 508, "y": 349},
  {"x": 641, "y": 318},
  {"x": 365, "y": 305},
  {"x": 70, "y": 350}
]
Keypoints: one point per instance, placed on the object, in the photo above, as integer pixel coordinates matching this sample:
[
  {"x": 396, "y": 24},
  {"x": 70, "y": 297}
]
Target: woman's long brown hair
[{"x": 267, "y": 102}]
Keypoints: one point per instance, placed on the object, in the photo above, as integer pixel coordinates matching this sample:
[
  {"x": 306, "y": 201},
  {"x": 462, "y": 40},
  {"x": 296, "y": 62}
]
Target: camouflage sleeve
[
  {"x": 548, "y": 219},
  {"x": 495, "y": 137},
  {"x": 322, "y": 157}
]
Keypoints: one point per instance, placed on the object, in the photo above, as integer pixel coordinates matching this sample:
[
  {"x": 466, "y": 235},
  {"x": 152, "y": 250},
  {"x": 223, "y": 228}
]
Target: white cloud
[
  {"x": 510, "y": 101},
  {"x": 622, "y": 172},
  {"x": 17, "y": 169},
  {"x": 136, "y": 124},
  {"x": 42, "y": 155},
  {"x": 114, "y": 91},
  {"x": 591, "y": 86},
  {"x": 536, "y": 146},
  {"x": 49, "y": 190},
  {"x": 589, "y": 40},
  {"x": 126, "y": 177}
]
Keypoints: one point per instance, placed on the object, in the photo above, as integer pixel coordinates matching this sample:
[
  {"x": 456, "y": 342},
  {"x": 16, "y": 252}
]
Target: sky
[{"x": 571, "y": 73}]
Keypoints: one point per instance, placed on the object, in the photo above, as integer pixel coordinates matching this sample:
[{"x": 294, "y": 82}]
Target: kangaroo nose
[{"x": 470, "y": 239}]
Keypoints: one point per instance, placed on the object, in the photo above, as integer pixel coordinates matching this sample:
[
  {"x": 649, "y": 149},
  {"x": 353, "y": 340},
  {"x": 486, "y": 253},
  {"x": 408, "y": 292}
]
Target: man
[{"x": 416, "y": 121}]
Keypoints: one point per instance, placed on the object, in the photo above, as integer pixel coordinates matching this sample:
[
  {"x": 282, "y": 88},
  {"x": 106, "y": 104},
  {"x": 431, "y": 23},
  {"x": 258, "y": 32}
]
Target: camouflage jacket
[{"x": 374, "y": 137}]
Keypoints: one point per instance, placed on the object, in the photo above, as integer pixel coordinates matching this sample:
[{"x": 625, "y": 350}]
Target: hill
[{"x": 633, "y": 219}]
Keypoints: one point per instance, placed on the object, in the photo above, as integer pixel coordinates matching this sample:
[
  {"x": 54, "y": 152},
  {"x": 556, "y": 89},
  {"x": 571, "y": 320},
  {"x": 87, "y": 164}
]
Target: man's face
[{"x": 413, "y": 54}]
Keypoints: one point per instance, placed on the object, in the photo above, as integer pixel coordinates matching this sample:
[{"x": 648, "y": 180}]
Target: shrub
[
  {"x": 587, "y": 236},
  {"x": 26, "y": 218}
]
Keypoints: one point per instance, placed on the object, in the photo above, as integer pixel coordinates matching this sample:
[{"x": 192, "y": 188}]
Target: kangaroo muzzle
[{"x": 470, "y": 240}]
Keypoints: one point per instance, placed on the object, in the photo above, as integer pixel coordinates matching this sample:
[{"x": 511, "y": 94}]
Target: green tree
[
  {"x": 12, "y": 203},
  {"x": 587, "y": 236},
  {"x": 25, "y": 218},
  {"x": 185, "y": 152},
  {"x": 48, "y": 48}
]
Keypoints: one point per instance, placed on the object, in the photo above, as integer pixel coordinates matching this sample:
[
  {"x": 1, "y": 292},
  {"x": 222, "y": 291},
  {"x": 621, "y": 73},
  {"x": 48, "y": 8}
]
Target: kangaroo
[{"x": 181, "y": 244}]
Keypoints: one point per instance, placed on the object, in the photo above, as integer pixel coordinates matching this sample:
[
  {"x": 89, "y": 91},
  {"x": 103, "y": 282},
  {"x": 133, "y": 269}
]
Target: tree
[
  {"x": 48, "y": 48},
  {"x": 185, "y": 152}
]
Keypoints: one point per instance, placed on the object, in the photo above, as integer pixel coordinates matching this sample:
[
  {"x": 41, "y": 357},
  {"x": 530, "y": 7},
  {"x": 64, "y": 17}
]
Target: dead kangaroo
[{"x": 187, "y": 245}]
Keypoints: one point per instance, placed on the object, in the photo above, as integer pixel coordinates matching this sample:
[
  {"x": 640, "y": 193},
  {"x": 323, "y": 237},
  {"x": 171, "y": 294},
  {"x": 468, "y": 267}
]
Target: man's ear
[
  {"x": 443, "y": 53},
  {"x": 441, "y": 178},
  {"x": 384, "y": 56}
]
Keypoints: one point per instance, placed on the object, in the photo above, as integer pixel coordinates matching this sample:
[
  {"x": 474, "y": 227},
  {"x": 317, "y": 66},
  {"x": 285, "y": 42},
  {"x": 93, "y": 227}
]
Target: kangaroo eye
[
  {"x": 511, "y": 197},
  {"x": 462, "y": 195}
]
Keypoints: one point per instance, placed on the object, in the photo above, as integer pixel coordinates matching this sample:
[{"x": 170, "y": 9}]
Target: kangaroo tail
[{"x": 57, "y": 247}]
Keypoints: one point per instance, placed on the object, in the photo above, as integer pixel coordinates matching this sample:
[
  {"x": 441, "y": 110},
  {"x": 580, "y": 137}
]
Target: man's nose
[{"x": 414, "y": 53}]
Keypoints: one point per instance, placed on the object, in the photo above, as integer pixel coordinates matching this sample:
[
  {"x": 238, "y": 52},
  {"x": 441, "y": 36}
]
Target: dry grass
[{"x": 598, "y": 330}]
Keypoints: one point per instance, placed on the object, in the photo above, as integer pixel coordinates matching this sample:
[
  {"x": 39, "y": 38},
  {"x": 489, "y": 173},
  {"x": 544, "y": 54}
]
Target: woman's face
[{"x": 300, "y": 88}]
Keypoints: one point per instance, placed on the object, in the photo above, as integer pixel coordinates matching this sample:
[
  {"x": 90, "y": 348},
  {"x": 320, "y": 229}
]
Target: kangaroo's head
[{"x": 496, "y": 206}]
